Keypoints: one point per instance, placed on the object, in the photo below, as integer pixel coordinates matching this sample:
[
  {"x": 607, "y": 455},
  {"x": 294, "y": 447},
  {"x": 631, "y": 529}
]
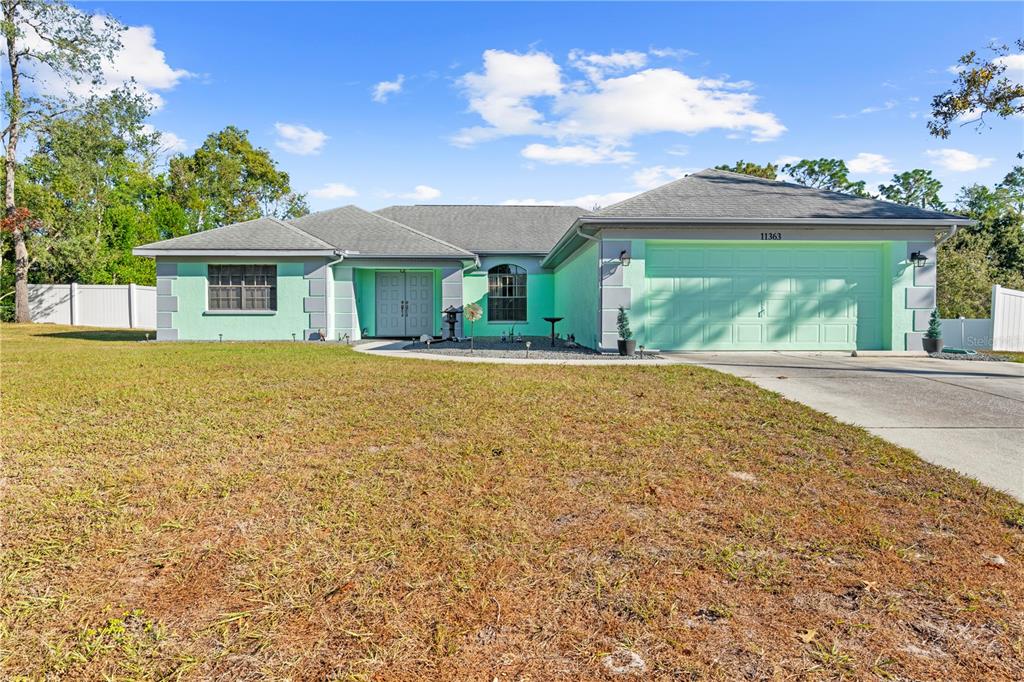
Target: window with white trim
[
  {"x": 242, "y": 287},
  {"x": 506, "y": 294}
]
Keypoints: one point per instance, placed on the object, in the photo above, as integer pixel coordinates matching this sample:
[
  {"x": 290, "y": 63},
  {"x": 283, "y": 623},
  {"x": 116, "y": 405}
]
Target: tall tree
[
  {"x": 914, "y": 188},
  {"x": 55, "y": 36},
  {"x": 981, "y": 88},
  {"x": 228, "y": 180},
  {"x": 769, "y": 171},
  {"x": 827, "y": 174},
  {"x": 89, "y": 183}
]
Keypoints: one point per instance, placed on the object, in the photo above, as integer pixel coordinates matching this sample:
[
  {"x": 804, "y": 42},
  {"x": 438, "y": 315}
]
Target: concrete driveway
[{"x": 967, "y": 416}]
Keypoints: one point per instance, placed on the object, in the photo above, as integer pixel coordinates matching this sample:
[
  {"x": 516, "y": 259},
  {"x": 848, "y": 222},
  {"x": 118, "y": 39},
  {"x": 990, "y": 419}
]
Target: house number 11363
[{"x": 771, "y": 236}]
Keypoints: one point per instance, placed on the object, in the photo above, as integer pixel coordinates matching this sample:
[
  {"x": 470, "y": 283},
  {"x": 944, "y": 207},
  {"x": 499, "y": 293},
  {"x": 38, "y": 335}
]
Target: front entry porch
[
  {"x": 404, "y": 303},
  {"x": 395, "y": 300}
]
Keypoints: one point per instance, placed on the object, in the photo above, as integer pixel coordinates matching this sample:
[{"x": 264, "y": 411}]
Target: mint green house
[{"x": 713, "y": 261}]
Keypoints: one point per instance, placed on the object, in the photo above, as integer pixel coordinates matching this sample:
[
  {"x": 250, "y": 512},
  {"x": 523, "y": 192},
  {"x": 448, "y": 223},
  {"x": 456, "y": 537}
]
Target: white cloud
[
  {"x": 644, "y": 179},
  {"x": 299, "y": 139},
  {"x": 587, "y": 201},
  {"x": 502, "y": 94},
  {"x": 957, "y": 160},
  {"x": 580, "y": 155},
  {"x": 596, "y": 66},
  {"x": 384, "y": 89},
  {"x": 654, "y": 176},
  {"x": 889, "y": 104},
  {"x": 419, "y": 193},
  {"x": 783, "y": 160},
  {"x": 866, "y": 162},
  {"x": 333, "y": 190},
  {"x": 168, "y": 142},
  {"x": 663, "y": 100},
  {"x": 524, "y": 94},
  {"x": 1014, "y": 64},
  {"x": 138, "y": 63},
  {"x": 671, "y": 52}
]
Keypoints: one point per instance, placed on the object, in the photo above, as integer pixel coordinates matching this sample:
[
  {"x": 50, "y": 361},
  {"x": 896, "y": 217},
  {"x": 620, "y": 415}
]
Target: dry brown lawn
[{"x": 268, "y": 511}]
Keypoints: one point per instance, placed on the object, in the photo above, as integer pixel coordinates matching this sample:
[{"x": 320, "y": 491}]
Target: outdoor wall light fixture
[
  {"x": 918, "y": 259},
  {"x": 625, "y": 259}
]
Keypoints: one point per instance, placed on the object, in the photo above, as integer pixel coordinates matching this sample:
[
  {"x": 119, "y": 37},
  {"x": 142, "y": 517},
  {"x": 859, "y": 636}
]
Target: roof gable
[
  {"x": 261, "y": 234},
  {"x": 717, "y": 194}
]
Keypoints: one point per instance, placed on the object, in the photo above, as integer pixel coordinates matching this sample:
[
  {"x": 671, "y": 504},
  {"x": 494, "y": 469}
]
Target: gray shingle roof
[
  {"x": 490, "y": 229},
  {"x": 348, "y": 228},
  {"x": 353, "y": 229},
  {"x": 723, "y": 194},
  {"x": 263, "y": 234}
]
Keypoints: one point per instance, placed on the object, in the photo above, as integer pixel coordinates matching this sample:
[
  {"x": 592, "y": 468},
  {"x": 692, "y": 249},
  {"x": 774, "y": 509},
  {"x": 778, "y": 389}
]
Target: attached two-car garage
[{"x": 764, "y": 296}]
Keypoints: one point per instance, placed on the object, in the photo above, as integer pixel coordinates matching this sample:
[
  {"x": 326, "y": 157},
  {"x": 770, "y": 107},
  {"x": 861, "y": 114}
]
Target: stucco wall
[
  {"x": 539, "y": 297},
  {"x": 182, "y": 312},
  {"x": 576, "y": 295}
]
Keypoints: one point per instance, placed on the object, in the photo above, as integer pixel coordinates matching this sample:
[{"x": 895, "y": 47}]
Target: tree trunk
[{"x": 21, "y": 262}]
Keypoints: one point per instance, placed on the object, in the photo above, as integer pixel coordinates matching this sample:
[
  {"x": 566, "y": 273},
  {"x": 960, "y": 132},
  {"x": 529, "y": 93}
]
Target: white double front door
[{"x": 405, "y": 303}]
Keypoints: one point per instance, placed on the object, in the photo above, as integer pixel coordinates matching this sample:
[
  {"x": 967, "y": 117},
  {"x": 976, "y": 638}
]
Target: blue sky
[{"x": 492, "y": 103}]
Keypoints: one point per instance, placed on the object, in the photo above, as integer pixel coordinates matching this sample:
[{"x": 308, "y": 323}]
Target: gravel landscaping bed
[
  {"x": 963, "y": 356},
  {"x": 540, "y": 349}
]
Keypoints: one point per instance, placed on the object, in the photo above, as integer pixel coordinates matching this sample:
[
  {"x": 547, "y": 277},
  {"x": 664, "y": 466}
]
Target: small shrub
[
  {"x": 625, "y": 333},
  {"x": 934, "y": 326}
]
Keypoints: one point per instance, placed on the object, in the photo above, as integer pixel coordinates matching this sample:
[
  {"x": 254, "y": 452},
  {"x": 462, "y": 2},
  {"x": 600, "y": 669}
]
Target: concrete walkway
[
  {"x": 394, "y": 349},
  {"x": 968, "y": 416}
]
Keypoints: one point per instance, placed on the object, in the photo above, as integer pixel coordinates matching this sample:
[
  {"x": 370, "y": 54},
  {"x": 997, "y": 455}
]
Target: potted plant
[
  {"x": 627, "y": 344},
  {"x": 932, "y": 340}
]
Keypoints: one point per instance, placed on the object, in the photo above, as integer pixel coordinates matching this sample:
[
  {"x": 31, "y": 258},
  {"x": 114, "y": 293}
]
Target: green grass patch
[{"x": 303, "y": 511}]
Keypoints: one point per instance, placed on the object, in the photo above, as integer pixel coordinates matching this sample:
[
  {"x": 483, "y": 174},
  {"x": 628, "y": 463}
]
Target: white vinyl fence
[
  {"x": 122, "y": 306},
  {"x": 1003, "y": 331},
  {"x": 1007, "y": 319}
]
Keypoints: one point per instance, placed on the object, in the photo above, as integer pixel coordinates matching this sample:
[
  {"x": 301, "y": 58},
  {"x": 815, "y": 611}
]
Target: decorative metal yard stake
[
  {"x": 472, "y": 312},
  {"x": 528, "y": 344}
]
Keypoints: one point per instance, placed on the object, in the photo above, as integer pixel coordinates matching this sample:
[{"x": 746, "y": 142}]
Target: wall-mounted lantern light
[
  {"x": 625, "y": 259},
  {"x": 918, "y": 259}
]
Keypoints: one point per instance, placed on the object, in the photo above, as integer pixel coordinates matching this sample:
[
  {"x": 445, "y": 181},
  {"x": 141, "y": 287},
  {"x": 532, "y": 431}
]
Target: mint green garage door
[{"x": 756, "y": 296}]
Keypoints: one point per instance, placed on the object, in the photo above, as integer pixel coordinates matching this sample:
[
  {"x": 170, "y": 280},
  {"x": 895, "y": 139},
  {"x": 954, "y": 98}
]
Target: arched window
[{"x": 506, "y": 294}]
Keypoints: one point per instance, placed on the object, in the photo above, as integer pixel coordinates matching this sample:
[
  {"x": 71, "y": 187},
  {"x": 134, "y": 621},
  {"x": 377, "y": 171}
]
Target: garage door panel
[
  {"x": 835, "y": 333},
  {"x": 807, "y": 333},
  {"x": 764, "y": 296},
  {"x": 749, "y": 333}
]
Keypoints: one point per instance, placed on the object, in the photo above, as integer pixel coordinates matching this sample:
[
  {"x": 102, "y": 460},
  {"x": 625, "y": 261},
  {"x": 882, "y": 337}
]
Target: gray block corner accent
[
  {"x": 166, "y": 334},
  {"x": 314, "y": 304},
  {"x": 343, "y": 322},
  {"x": 609, "y": 341},
  {"x": 314, "y": 269},
  {"x": 163, "y": 320},
  {"x": 163, "y": 286},
  {"x": 611, "y": 248},
  {"x": 914, "y": 340},
  {"x": 920, "y": 297},
  {"x": 317, "y": 287},
  {"x": 924, "y": 277},
  {"x": 166, "y": 268},
  {"x": 344, "y": 289},
  {"x": 613, "y": 297},
  {"x": 612, "y": 273},
  {"x": 318, "y": 320},
  {"x": 451, "y": 295},
  {"x": 921, "y": 319},
  {"x": 344, "y": 305},
  {"x": 167, "y": 304},
  {"x": 610, "y": 322}
]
